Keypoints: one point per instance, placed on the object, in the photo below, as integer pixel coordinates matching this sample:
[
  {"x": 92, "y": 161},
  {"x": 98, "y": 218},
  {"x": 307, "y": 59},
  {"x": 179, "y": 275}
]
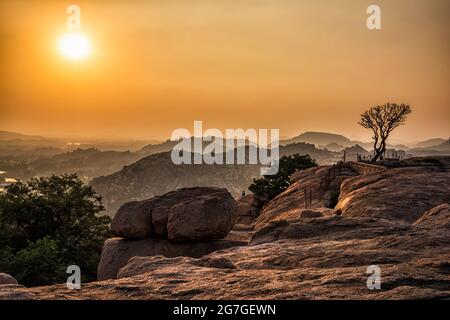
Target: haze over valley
[{"x": 122, "y": 171}]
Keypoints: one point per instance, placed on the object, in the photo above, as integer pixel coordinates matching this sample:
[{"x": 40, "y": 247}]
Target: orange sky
[{"x": 158, "y": 65}]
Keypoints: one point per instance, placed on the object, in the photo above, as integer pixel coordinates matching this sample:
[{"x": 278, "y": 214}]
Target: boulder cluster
[
  {"x": 189, "y": 214},
  {"x": 188, "y": 222}
]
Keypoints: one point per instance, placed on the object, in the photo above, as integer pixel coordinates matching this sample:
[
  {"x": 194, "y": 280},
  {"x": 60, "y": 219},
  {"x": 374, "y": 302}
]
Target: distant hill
[
  {"x": 320, "y": 155},
  {"x": 444, "y": 145},
  {"x": 429, "y": 143},
  {"x": 87, "y": 163},
  {"x": 398, "y": 147},
  {"x": 157, "y": 148},
  {"x": 168, "y": 145},
  {"x": 334, "y": 142},
  {"x": 319, "y": 139},
  {"x": 335, "y": 147},
  {"x": 440, "y": 149},
  {"x": 6, "y": 135},
  {"x": 156, "y": 174},
  {"x": 356, "y": 149}
]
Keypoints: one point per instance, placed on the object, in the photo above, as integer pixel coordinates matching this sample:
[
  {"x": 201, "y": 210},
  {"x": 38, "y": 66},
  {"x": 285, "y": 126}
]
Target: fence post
[
  {"x": 310, "y": 195},
  {"x": 304, "y": 195}
]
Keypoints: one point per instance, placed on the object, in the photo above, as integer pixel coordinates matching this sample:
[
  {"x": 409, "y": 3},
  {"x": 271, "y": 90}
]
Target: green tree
[
  {"x": 48, "y": 224},
  {"x": 39, "y": 263},
  {"x": 268, "y": 187}
]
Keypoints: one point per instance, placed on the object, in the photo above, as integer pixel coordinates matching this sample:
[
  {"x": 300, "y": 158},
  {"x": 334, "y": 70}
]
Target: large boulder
[
  {"x": 117, "y": 251},
  {"x": 199, "y": 214},
  {"x": 7, "y": 279},
  {"x": 395, "y": 194},
  {"x": 133, "y": 220},
  {"x": 203, "y": 214}
]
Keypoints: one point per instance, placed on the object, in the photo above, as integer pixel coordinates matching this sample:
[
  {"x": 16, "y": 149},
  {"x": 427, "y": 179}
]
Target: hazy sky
[{"x": 158, "y": 65}]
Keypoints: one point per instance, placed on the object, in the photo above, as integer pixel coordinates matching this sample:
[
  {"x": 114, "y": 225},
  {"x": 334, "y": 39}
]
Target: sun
[{"x": 74, "y": 46}]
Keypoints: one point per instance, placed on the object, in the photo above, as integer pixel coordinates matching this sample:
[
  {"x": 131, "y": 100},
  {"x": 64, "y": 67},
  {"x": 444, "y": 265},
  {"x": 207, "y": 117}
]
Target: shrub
[
  {"x": 334, "y": 198},
  {"x": 37, "y": 264},
  {"x": 268, "y": 187}
]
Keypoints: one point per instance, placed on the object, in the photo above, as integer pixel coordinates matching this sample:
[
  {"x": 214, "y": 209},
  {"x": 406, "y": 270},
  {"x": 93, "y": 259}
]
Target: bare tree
[{"x": 382, "y": 120}]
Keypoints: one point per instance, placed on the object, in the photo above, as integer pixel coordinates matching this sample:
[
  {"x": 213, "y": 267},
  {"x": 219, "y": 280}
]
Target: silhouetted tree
[{"x": 382, "y": 120}]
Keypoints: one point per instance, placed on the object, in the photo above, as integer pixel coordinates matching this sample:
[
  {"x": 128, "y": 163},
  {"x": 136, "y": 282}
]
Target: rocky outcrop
[
  {"x": 438, "y": 217},
  {"x": 182, "y": 215},
  {"x": 6, "y": 279},
  {"x": 317, "y": 213},
  {"x": 310, "y": 189},
  {"x": 327, "y": 227},
  {"x": 397, "y": 219},
  {"x": 248, "y": 208},
  {"x": 241, "y": 232},
  {"x": 366, "y": 168},
  {"x": 117, "y": 251},
  {"x": 325, "y": 258},
  {"x": 140, "y": 265},
  {"x": 187, "y": 222},
  {"x": 396, "y": 194}
]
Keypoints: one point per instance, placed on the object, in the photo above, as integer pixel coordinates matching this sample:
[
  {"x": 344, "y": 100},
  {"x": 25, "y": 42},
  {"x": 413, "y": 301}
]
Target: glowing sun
[{"x": 74, "y": 45}]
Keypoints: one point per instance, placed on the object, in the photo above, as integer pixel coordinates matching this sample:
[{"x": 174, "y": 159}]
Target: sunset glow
[
  {"x": 74, "y": 45},
  {"x": 144, "y": 69}
]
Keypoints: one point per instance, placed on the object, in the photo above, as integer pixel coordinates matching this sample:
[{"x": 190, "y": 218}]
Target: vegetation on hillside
[
  {"x": 268, "y": 187},
  {"x": 48, "y": 224}
]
